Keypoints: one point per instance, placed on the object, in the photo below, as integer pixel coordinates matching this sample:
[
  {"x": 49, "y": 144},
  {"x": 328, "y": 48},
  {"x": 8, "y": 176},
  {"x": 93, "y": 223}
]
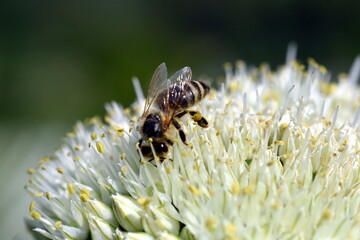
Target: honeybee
[{"x": 168, "y": 99}]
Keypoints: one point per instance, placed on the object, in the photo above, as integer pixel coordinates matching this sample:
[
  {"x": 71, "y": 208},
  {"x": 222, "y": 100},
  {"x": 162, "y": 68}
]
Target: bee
[{"x": 168, "y": 99}]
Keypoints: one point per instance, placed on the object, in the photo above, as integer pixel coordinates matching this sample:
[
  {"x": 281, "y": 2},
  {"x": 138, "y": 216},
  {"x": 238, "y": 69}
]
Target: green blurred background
[{"x": 61, "y": 61}]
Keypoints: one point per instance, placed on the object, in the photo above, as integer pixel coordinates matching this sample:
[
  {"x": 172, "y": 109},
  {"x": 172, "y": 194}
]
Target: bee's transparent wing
[
  {"x": 178, "y": 87},
  {"x": 158, "y": 83},
  {"x": 183, "y": 75}
]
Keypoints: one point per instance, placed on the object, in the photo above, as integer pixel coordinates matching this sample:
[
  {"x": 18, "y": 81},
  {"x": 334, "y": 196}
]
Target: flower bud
[
  {"x": 157, "y": 220},
  {"x": 127, "y": 212},
  {"x": 99, "y": 228},
  {"x": 119, "y": 235}
]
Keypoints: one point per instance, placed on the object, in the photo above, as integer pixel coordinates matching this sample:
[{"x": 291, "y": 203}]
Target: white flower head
[{"x": 280, "y": 160}]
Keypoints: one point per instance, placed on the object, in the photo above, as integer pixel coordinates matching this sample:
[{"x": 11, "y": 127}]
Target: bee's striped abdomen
[{"x": 182, "y": 95}]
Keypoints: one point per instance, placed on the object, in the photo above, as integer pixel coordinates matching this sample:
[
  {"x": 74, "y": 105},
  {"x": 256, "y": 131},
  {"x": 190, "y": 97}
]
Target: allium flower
[{"x": 280, "y": 160}]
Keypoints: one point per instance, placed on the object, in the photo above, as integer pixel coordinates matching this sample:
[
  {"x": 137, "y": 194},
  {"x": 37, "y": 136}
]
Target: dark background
[{"x": 61, "y": 61}]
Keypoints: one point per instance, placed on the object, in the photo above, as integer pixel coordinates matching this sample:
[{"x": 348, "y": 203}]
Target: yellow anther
[
  {"x": 103, "y": 135},
  {"x": 70, "y": 134},
  {"x": 44, "y": 159},
  {"x": 124, "y": 169},
  {"x": 210, "y": 223},
  {"x": 299, "y": 133},
  {"x": 127, "y": 111},
  {"x": 229, "y": 103},
  {"x": 196, "y": 191},
  {"x": 100, "y": 147},
  {"x": 323, "y": 69},
  {"x": 84, "y": 197},
  {"x": 76, "y": 159},
  {"x": 328, "y": 88},
  {"x": 102, "y": 126},
  {"x": 276, "y": 205},
  {"x": 233, "y": 86},
  {"x": 261, "y": 119},
  {"x": 85, "y": 191},
  {"x": 249, "y": 190},
  {"x": 58, "y": 224},
  {"x": 183, "y": 154},
  {"x": 252, "y": 143},
  {"x": 30, "y": 171},
  {"x": 235, "y": 189},
  {"x": 47, "y": 194},
  {"x": 42, "y": 167},
  {"x": 143, "y": 162},
  {"x": 168, "y": 169},
  {"x": 70, "y": 188},
  {"x": 218, "y": 132},
  {"x": 60, "y": 170},
  {"x": 144, "y": 202},
  {"x": 269, "y": 121},
  {"x": 270, "y": 163},
  {"x": 77, "y": 148},
  {"x": 284, "y": 126},
  {"x": 123, "y": 156},
  {"x": 271, "y": 96},
  {"x": 247, "y": 139},
  {"x": 40, "y": 194},
  {"x": 35, "y": 215},
  {"x": 32, "y": 205},
  {"x": 279, "y": 142},
  {"x": 326, "y": 214},
  {"x": 230, "y": 228},
  {"x": 31, "y": 180},
  {"x": 119, "y": 130},
  {"x": 150, "y": 140},
  {"x": 93, "y": 136}
]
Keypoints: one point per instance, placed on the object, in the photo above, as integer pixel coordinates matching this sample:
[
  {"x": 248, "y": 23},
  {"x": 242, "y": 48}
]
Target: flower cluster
[{"x": 280, "y": 160}]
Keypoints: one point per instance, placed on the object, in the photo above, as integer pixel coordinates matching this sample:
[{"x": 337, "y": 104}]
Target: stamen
[{"x": 100, "y": 147}]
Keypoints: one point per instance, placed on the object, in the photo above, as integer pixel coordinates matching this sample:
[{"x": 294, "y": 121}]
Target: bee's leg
[
  {"x": 181, "y": 114},
  {"x": 169, "y": 141},
  {"x": 181, "y": 132},
  {"x": 197, "y": 117}
]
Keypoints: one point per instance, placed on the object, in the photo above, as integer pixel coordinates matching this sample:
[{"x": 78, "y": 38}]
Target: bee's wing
[
  {"x": 183, "y": 75},
  {"x": 158, "y": 83},
  {"x": 176, "y": 90}
]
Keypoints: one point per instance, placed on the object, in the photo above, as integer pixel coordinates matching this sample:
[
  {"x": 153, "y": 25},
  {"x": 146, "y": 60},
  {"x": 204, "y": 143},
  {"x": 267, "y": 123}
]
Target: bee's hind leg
[
  {"x": 196, "y": 117},
  {"x": 181, "y": 132}
]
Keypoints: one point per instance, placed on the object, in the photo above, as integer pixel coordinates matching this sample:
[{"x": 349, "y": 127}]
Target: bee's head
[{"x": 152, "y": 127}]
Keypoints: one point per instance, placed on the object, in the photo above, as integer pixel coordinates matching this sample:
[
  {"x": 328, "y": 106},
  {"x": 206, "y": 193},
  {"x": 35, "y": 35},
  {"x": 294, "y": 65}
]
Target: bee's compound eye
[
  {"x": 161, "y": 148},
  {"x": 146, "y": 151}
]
